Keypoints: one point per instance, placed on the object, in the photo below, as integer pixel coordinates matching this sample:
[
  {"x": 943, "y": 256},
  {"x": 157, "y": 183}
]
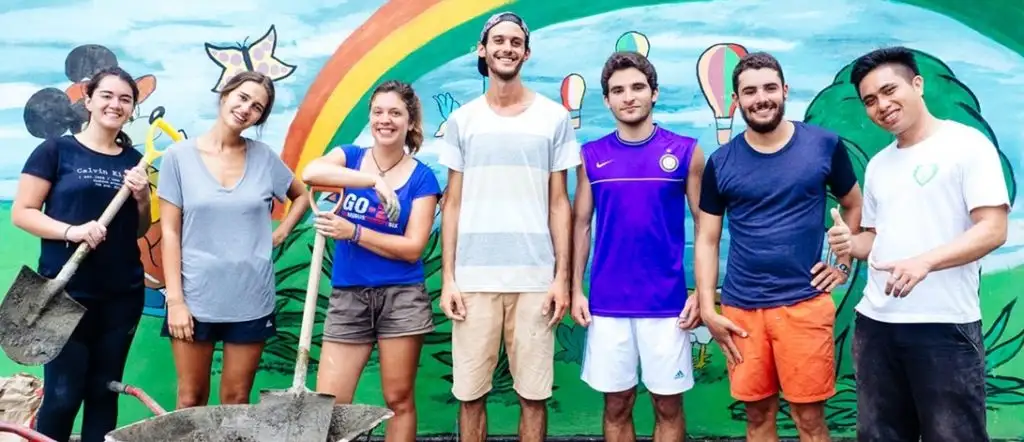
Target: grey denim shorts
[{"x": 362, "y": 315}]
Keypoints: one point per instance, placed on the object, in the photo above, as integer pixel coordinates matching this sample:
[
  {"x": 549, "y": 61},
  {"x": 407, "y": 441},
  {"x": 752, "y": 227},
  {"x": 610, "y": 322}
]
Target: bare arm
[
  {"x": 862, "y": 243},
  {"x": 145, "y": 217},
  {"x": 300, "y": 203},
  {"x": 583, "y": 212},
  {"x": 851, "y": 205},
  {"x": 408, "y": 247},
  {"x": 986, "y": 235},
  {"x": 705, "y": 260},
  {"x": 693, "y": 182},
  {"x": 27, "y": 213},
  {"x": 170, "y": 245},
  {"x": 330, "y": 171},
  {"x": 450, "y": 224},
  {"x": 560, "y": 223}
]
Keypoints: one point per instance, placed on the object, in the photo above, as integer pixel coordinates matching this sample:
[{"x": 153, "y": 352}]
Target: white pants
[{"x": 616, "y": 346}]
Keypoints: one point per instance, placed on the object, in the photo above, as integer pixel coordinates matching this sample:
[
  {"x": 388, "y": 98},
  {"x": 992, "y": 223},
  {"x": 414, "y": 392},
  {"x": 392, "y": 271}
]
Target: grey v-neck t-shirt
[{"x": 227, "y": 270}]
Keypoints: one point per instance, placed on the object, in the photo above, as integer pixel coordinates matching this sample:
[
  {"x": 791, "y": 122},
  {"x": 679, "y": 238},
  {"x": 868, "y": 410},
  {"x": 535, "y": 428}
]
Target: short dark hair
[
  {"x": 622, "y": 60},
  {"x": 877, "y": 58},
  {"x": 755, "y": 60}
]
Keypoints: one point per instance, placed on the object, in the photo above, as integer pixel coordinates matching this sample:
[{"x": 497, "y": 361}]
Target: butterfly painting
[{"x": 258, "y": 57}]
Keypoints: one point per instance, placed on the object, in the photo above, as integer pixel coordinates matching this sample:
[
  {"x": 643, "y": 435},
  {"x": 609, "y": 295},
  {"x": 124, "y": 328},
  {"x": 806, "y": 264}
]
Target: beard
[
  {"x": 767, "y": 126},
  {"x": 504, "y": 76}
]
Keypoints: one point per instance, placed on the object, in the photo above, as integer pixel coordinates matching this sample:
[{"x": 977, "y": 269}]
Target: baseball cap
[{"x": 481, "y": 64}]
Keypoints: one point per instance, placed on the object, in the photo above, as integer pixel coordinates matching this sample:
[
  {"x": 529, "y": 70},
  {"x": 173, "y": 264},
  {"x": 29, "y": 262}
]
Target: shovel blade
[
  {"x": 351, "y": 421},
  {"x": 36, "y": 321},
  {"x": 307, "y": 414}
]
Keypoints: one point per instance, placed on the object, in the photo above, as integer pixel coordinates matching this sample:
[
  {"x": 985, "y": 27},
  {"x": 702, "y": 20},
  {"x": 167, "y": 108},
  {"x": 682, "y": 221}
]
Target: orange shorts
[{"x": 791, "y": 347}]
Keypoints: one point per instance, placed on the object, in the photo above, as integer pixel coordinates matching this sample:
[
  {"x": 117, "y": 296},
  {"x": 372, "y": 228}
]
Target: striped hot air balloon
[
  {"x": 633, "y": 41},
  {"x": 573, "y": 88},
  {"x": 714, "y": 71}
]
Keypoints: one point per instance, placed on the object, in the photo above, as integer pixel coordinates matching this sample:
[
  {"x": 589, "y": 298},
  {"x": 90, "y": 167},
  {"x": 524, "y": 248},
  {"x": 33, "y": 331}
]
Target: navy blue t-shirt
[
  {"x": 82, "y": 183},
  {"x": 775, "y": 205}
]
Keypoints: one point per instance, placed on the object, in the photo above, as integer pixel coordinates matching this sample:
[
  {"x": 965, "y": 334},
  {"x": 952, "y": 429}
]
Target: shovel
[
  {"x": 312, "y": 410},
  {"x": 37, "y": 317}
]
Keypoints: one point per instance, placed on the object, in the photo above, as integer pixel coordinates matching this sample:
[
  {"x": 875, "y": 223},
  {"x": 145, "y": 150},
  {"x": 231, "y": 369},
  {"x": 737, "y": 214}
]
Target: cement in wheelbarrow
[{"x": 245, "y": 423}]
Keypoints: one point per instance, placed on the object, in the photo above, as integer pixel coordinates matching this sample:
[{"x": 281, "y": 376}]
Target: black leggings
[{"x": 94, "y": 355}]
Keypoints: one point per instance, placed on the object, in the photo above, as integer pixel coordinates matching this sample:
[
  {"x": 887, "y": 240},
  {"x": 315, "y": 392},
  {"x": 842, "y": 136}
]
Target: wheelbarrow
[
  {"x": 223, "y": 423},
  {"x": 238, "y": 423}
]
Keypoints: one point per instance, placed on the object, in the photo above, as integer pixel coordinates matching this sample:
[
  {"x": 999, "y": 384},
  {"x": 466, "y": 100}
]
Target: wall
[{"x": 326, "y": 56}]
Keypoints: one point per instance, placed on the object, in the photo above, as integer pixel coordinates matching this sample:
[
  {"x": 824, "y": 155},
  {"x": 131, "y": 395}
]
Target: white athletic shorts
[{"x": 616, "y": 346}]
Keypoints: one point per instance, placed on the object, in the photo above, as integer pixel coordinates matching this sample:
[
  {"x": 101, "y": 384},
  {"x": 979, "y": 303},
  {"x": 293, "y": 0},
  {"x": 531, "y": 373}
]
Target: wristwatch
[{"x": 844, "y": 268}]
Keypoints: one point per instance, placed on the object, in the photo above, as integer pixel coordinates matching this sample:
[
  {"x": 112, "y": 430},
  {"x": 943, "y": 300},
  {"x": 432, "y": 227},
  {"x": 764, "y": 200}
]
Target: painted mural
[{"x": 326, "y": 55}]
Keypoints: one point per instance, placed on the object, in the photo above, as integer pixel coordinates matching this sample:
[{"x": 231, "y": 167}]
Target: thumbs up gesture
[{"x": 839, "y": 238}]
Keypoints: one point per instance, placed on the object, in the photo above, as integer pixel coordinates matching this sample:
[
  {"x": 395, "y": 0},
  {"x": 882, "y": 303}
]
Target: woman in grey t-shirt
[{"x": 216, "y": 195}]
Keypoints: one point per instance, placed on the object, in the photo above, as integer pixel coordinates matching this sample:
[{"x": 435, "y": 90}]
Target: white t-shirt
[
  {"x": 504, "y": 242},
  {"x": 920, "y": 198}
]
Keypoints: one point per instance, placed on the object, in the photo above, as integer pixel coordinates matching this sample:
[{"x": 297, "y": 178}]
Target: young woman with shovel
[
  {"x": 379, "y": 296},
  {"x": 216, "y": 195},
  {"x": 66, "y": 184}
]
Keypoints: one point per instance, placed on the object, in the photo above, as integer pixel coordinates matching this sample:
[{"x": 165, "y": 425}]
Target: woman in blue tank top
[
  {"x": 66, "y": 184},
  {"x": 379, "y": 293}
]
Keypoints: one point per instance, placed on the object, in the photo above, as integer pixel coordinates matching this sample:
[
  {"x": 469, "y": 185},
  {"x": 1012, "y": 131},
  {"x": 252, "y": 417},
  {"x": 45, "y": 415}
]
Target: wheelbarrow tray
[{"x": 245, "y": 423}]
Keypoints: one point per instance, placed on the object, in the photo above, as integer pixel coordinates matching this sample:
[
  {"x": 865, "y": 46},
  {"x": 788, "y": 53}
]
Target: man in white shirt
[
  {"x": 505, "y": 227},
  {"x": 935, "y": 203}
]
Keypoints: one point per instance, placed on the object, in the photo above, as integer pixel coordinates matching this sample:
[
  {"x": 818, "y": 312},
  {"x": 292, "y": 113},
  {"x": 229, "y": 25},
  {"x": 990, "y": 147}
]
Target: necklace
[{"x": 373, "y": 155}]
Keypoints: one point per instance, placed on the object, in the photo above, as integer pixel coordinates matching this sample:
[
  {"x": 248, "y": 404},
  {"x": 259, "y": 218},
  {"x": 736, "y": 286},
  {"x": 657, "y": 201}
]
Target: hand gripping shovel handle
[
  {"x": 83, "y": 249},
  {"x": 122, "y": 195},
  {"x": 81, "y": 252},
  {"x": 312, "y": 287}
]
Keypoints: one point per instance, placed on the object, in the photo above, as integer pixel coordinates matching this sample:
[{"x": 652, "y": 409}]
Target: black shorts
[{"x": 244, "y": 332}]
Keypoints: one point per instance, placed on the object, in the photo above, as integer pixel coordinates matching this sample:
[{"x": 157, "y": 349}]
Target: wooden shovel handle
[{"x": 312, "y": 197}]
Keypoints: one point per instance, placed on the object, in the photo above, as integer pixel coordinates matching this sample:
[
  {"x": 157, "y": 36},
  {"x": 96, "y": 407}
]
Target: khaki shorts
[
  {"x": 529, "y": 343},
  {"x": 362, "y": 315}
]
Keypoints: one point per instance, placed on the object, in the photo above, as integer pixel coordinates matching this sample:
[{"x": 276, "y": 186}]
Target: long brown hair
[
  {"x": 122, "y": 139},
  {"x": 414, "y": 136},
  {"x": 240, "y": 78}
]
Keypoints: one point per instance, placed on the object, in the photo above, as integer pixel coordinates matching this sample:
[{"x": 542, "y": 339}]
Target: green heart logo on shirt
[{"x": 924, "y": 173}]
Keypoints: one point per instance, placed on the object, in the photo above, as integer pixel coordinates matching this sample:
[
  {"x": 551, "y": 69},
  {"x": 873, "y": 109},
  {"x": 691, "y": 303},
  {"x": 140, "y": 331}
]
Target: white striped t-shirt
[{"x": 504, "y": 243}]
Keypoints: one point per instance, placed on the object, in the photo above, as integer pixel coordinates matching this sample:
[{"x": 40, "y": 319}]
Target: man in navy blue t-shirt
[{"x": 777, "y": 310}]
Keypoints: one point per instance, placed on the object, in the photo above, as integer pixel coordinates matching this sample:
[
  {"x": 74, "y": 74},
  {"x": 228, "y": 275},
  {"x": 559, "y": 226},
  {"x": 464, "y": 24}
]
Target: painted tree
[{"x": 838, "y": 108}]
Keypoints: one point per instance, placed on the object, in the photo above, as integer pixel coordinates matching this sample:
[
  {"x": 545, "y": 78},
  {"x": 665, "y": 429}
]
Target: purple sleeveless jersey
[{"x": 640, "y": 203}]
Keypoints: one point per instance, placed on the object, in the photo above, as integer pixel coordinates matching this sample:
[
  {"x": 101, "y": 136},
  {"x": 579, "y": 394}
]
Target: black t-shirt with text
[{"x": 83, "y": 182}]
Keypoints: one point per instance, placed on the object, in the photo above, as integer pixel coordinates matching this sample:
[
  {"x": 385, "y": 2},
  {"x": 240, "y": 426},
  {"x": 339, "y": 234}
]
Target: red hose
[
  {"x": 118, "y": 387},
  {"x": 25, "y": 432}
]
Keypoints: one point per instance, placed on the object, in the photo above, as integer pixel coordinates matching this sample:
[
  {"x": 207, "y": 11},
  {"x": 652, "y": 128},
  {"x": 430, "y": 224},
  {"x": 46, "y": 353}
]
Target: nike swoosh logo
[{"x": 600, "y": 165}]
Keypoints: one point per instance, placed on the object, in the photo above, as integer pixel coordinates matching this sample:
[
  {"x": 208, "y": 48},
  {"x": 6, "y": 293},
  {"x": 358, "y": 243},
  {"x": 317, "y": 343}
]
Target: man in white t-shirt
[
  {"x": 505, "y": 225},
  {"x": 935, "y": 203}
]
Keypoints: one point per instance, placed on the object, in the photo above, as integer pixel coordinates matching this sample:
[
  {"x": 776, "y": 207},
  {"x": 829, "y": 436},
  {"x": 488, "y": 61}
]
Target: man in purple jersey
[{"x": 639, "y": 179}]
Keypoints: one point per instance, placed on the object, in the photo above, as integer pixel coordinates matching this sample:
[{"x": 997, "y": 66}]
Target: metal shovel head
[
  {"x": 353, "y": 420},
  {"x": 36, "y": 319},
  {"x": 310, "y": 412}
]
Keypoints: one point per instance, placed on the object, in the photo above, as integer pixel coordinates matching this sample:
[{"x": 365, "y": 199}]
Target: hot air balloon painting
[
  {"x": 633, "y": 41},
  {"x": 573, "y": 88},
  {"x": 714, "y": 72}
]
